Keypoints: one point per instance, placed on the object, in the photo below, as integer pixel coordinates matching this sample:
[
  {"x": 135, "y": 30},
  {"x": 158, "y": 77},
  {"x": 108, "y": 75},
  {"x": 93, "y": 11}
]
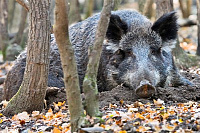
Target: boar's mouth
[{"x": 145, "y": 89}]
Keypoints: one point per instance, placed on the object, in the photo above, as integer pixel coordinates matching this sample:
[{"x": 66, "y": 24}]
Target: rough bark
[
  {"x": 74, "y": 13},
  {"x": 181, "y": 58},
  {"x": 3, "y": 26},
  {"x": 90, "y": 81},
  {"x": 198, "y": 25},
  {"x": 22, "y": 25},
  {"x": 89, "y": 4},
  {"x": 11, "y": 11},
  {"x": 32, "y": 92},
  {"x": 68, "y": 64}
]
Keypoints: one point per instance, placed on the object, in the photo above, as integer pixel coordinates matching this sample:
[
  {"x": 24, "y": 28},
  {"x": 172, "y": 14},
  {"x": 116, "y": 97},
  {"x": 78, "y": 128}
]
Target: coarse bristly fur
[{"x": 134, "y": 50}]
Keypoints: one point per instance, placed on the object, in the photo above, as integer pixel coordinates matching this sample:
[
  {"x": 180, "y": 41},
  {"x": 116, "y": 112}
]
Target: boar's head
[{"x": 138, "y": 55}]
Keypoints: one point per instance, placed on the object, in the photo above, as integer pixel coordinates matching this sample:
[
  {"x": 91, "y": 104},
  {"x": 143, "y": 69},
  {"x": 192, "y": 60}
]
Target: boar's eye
[
  {"x": 120, "y": 52},
  {"x": 117, "y": 58},
  {"x": 155, "y": 51}
]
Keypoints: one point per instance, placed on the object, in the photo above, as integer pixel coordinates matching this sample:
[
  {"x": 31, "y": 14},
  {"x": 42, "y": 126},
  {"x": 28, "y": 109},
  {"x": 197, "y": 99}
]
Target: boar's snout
[{"x": 145, "y": 89}]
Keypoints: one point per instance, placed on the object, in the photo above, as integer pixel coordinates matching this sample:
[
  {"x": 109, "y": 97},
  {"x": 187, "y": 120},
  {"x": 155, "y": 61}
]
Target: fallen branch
[{"x": 24, "y": 4}]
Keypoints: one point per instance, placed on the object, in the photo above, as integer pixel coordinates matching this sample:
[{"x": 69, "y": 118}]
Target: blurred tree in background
[{"x": 3, "y": 27}]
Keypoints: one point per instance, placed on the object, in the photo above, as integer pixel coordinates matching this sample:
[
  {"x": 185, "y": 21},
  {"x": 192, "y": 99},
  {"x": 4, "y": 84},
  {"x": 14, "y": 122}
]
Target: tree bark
[
  {"x": 198, "y": 25},
  {"x": 3, "y": 27},
  {"x": 90, "y": 81},
  {"x": 74, "y": 13},
  {"x": 68, "y": 64},
  {"x": 89, "y": 4},
  {"x": 22, "y": 25},
  {"x": 32, "y": 92}
]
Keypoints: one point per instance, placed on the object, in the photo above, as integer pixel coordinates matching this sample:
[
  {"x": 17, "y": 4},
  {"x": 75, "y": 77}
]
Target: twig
[{"x": 23, "y": 3}]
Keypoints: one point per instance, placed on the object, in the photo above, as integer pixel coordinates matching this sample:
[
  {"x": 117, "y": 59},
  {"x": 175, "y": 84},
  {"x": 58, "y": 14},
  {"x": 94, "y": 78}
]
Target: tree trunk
[
  {"x": 116, "y": 4},
  {"x": 11, "y": 12},
  {"x": 32, "y": 92},
  {"x": 22, "y": 25},
  {"x": 98, "y": 4},
  {"x": 90, "y": 81},
  {"x": 198, "y": 24},
  {"x": 3, "y": 26},
  {"x": 141, "y": 4},
  {"x": 68, "y": 64},
  {"x": 185, "y": 6},
  {"x": 189, "y": 6},
  {"x": 163, "y": 6},
  {"x": 89, "y": 4},
  {"x": 74, "y": 13},
  {"x": 148, "y": 8}
]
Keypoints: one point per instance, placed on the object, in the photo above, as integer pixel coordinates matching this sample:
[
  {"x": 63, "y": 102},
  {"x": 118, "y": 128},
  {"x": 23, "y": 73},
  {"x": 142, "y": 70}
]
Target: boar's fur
[{"x": 135, "y": 52}]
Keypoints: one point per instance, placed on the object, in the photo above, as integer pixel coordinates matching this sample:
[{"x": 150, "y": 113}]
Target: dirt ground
[{"x": 170, "y": 95}]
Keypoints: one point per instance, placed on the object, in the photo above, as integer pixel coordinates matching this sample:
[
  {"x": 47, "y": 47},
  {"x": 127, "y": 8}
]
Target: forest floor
[{"x": 171, "y": 109}]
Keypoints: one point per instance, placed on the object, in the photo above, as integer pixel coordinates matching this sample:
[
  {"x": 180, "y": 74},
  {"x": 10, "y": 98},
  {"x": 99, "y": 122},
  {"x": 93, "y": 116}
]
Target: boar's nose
[{"x": 145, "y": 89}]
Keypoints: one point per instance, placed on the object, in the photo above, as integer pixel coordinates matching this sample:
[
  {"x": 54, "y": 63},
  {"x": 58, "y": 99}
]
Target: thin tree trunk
[
  {"x": 98, "y": 4},
  {"x": 148, "y": 9},
  {"x": 163, "y": 6},
  {"x": 11, "y": 12},
  {"x": 3, "y": 26},
  {"x": 68, "y": 64},
  {"x": 141, "y": 4},
  {"x": 90, "y": 81},
  {"x": 74, "y": 13},
  {"x": 116, "y": 4},
  {"x": 32, "y": 92},
  {"x": 189, "y": 6},
  {"x": 198, "y": 25},
  {"x": 89, "y": 5},
  {"x": 22, "y": 25},
  {"x": 183, "y": 8}
]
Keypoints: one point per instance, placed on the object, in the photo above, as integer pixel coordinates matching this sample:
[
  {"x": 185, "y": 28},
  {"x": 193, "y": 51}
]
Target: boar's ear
[
  {"x": 166, "y": 26},
  {"x": 116, "y": 28}
]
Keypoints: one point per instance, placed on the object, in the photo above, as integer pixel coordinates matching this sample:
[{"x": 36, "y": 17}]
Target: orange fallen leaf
[
  {"x": 56, "y": 130},
  {"x": 139, "y": 116},
  {"x": 122, "y": 131}
]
